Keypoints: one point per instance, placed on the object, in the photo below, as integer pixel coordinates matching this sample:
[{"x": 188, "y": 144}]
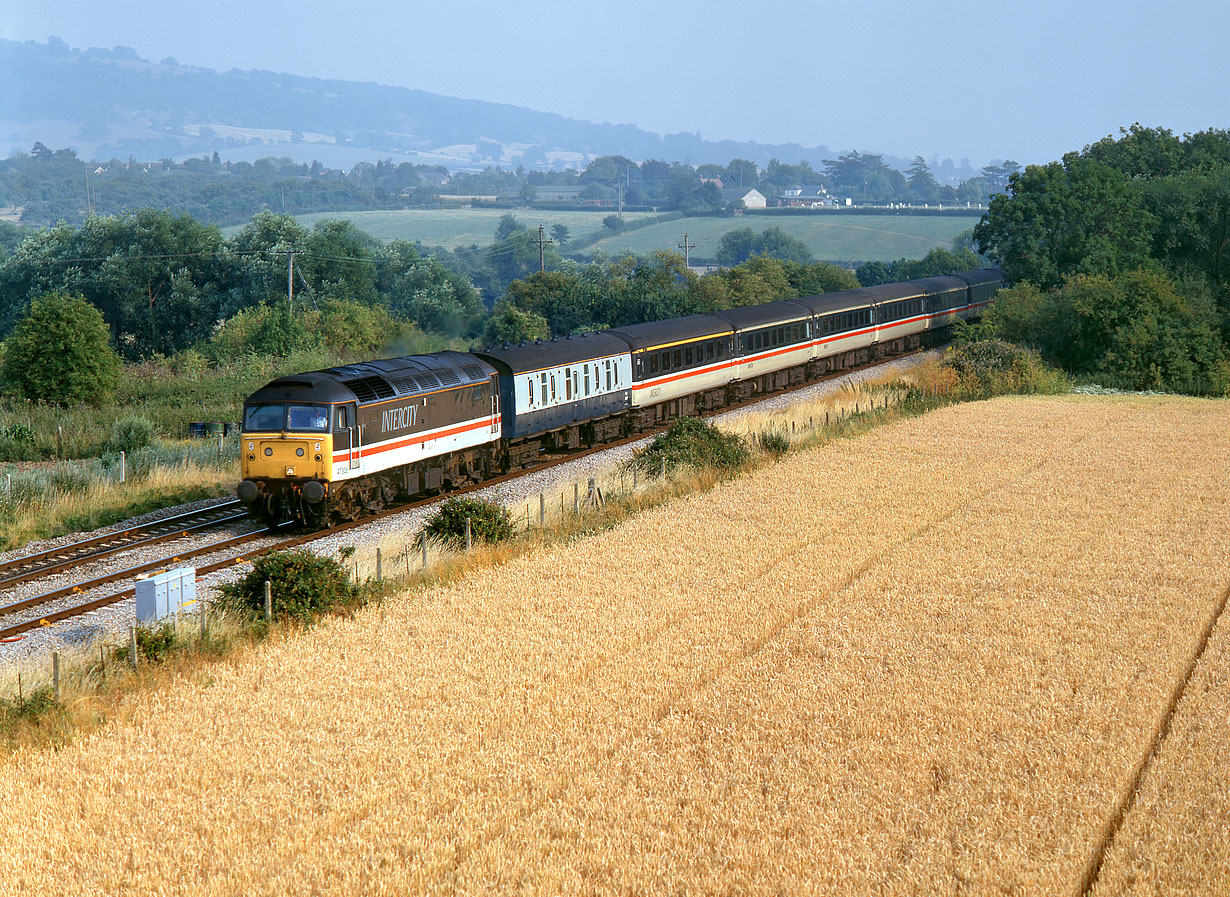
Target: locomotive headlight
[
  {"x": 290, "y": 471},
  {"x": 268, "y": 452},
  {"x": 299, "y": 452}
]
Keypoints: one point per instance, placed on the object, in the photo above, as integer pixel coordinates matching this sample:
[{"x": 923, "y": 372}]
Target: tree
[
  {"x": 507, "y": 226},
  {"x": 1059, "y": 219},
  {"x": 61, "y": 352},
  {"x": 1134, "y": 328},
  {"x": 738, "y": 245},
  {"x": 923, "y": 187},
  {"x": 559, "y": 233},
  {"x": 509, "y": 325}
]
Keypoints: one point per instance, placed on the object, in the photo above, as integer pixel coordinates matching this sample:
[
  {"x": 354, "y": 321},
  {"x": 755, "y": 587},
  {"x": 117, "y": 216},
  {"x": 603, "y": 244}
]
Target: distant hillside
[{"x": 112, "y": 104}]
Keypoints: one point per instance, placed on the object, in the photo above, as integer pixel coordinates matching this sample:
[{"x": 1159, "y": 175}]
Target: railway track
[
  {"x": 97, "y": 547},
  {"x": 55, "y": 560}
]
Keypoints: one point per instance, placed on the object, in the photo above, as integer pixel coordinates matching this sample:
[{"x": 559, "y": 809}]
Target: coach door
[{"x": 346, "y": 433}]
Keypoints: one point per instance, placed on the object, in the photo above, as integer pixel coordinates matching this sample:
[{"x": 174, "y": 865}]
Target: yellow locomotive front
[{"x": 286, "y": 457}]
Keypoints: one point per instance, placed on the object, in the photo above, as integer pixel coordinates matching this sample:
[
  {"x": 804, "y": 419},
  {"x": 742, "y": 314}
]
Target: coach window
[
  {"x": 677, "y": 359},
  {"x": 608, "y": 374},
  {"x": 341, "y": 419},
  {"x": 576, "y": 382},
  {"x": 552, "y": 387},
  {"x": 653, "y": 363},
  {"x": 568, "y": 384},
  {"x": 586, "y": 379},
  {"x": 544, "y": 390}
]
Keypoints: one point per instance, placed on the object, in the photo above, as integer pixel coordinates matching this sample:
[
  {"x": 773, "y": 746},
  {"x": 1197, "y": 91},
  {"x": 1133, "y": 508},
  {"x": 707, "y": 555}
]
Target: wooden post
[
  {"x": 60, "y": 442},
  {"x": 132, "y": 646},
  {"x": 102, "y": 662},
  {"x": 268, "y": 601},
  {"x": 406, "y": 554},
  {"x": 664, "y": 467},
  {"x": 20, "y": 697},
  {"x": 55, "y": 672},
  {"x": 469, "y": 537},
  {"x": 123, "y": 465},
  {"x": 379, "y": 566},
  {"x": 542, "y": 510},
  {"x": 576, "y": 498},
  {"x": 204, "y": 624}
]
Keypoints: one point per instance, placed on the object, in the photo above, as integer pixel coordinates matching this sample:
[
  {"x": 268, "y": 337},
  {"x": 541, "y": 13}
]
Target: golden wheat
[{"x": 928, "y": 659}]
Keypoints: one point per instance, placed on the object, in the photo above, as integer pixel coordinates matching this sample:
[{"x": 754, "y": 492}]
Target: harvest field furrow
[
  {"x": 1164, "y": 845},
  {"x": 929, "y": 658}
]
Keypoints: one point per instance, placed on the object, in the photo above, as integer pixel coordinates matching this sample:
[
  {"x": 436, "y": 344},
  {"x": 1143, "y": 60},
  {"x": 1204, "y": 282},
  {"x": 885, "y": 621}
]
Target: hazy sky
[{"x": 954, "y": 78}]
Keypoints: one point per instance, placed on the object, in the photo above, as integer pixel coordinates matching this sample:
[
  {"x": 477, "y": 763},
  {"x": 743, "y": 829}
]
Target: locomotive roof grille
[
  {"x": 473, "y": 371},
  {"x": 369, "y": 389}
]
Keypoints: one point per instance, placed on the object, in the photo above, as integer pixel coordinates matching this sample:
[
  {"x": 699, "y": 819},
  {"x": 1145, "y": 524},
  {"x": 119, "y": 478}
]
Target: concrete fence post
[
  {"x": 123, "y": 466},
  {"x": 132, "y": 646},
  {"x": 55, "y": 672},
  {"x": 379, "y": 565},
  {"x": 469, "y": 536},
  {"x": 268, "y": 601}
]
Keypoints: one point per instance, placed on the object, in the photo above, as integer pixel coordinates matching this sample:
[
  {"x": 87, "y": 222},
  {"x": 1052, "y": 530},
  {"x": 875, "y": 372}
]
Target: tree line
[
  {"x": 55, "y": 185},
  {"x": 149, "y": 284},
  {"x": 1120, "y": 256}
]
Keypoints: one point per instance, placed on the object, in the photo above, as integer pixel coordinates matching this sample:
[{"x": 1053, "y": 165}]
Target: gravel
[{"x": 110, "y": 624}]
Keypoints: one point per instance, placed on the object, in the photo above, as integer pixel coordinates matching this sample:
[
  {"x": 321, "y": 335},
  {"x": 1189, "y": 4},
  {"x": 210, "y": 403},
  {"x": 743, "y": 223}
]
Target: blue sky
[{"x": 954, "y": 78}]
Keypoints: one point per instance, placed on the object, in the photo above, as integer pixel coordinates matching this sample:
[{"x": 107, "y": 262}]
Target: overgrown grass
[{"x": 69, "y": 496}]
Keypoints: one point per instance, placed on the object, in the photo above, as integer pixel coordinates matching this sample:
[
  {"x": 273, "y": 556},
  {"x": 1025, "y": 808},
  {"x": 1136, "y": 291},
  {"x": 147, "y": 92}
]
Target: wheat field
[{"x": 933, "y": 659}]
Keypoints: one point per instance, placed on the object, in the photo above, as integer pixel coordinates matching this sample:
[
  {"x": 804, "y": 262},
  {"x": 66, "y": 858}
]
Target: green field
[
  {"x": 451, "y": 228},
  {"x": 831, "y": 236}
]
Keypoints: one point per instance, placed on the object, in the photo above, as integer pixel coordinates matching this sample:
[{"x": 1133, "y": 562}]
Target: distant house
[
  {"x": 751, "y": 197},
  {"x": 811, "y": 196},
  {"x": 435, "y": 178},
  {"x": 548, "y": 193},
  {"x": 717, "y": 182}
]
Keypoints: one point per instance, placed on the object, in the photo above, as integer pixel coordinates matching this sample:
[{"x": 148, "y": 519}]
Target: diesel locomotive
[{"x": 344, "y": 442}]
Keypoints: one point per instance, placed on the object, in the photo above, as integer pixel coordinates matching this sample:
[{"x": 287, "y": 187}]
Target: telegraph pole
[
  {"x": 290, "y": 276},
  {"x": 540, "y": 242},
  {"x": 687, "y": 250}
]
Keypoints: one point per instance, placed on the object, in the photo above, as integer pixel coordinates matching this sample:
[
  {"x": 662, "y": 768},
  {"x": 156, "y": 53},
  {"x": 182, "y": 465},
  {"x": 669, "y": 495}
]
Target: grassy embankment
[{"x": 939, "y": 658}]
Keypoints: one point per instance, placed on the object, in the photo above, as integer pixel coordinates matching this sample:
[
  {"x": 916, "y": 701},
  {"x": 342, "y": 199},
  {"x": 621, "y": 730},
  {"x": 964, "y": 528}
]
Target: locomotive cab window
[
  {"x": 263, "y": 417},
  {"x": 310, "y": 418}
]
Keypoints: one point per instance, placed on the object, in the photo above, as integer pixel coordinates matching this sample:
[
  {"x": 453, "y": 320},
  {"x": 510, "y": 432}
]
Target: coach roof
[
  {"x": 674, "y": 330},
  {"x": 527, "y": 357},
  {"x": 748, "y": 316}
]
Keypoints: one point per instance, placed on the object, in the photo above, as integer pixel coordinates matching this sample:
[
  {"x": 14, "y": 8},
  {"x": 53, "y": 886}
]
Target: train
[{"x": 338, "y": 444}]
